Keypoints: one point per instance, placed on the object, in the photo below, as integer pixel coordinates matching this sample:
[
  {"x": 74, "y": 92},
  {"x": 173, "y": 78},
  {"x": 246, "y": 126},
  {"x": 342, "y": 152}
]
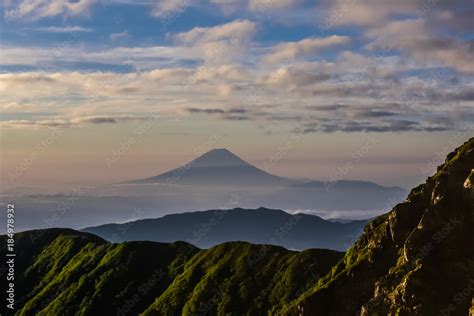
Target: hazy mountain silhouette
[
  {"x": 217, "y": 167},
  {"x": 345, "y": 184},
  {"x": 220, "y": 168},
  {"x": 260, "y": 226},
  {"x": 207, "y": 183}
]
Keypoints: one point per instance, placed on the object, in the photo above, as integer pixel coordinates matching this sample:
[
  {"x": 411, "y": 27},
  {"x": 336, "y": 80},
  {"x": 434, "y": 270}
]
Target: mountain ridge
[
  {"x": 262, "y": 225},
  {"x": 77, "y": 273}
]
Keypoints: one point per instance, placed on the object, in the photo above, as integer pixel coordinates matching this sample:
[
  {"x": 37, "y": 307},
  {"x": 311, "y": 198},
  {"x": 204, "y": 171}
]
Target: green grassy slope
[
  {"x": 64, "y": 272},
  {"x": 242, "y": 279}
]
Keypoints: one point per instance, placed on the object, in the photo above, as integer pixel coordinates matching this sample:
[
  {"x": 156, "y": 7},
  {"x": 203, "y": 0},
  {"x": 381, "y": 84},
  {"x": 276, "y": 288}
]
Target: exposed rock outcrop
[{"x": 416, "y": 260}]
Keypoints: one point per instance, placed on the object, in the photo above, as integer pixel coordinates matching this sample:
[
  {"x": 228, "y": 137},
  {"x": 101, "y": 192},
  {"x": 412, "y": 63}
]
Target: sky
[{"x": 112, "y": 90}]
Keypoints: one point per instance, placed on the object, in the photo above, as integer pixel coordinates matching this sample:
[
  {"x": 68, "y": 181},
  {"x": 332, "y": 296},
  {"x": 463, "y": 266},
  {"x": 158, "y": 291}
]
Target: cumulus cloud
[
  {"x": 365, "y": 12},
  {"x": 308, "y": 46},
  {"x": 414, "y": 37},
  {"x": 237, "y": 30},
  {"x": 221, "y": 43},
  {"x": 36, "y": 9},
  {"x": 294, "y": 77},
  {"x": 166, "y": 8},
  {"x": 169, "y": 74},
  {"x": 430, "y": 31}
]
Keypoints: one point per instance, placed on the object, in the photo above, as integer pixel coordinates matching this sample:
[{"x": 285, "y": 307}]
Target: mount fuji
[{"x": 217, "y": 167}]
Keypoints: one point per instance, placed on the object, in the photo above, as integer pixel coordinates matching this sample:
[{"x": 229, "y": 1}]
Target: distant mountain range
[
  {"x": 418, "y": 259},
  {"x": 219, "y": 170},
  {"x": 208, "y": 182},
  {"x": 261, "y": 226},
  {"x": 338, "y": 195},
  {"x": 345, "y": 184}
]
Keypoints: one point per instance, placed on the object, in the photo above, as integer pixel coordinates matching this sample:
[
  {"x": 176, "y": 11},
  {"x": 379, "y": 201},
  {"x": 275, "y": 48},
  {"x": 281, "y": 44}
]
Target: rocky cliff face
[{"x": 418, "y": 259}]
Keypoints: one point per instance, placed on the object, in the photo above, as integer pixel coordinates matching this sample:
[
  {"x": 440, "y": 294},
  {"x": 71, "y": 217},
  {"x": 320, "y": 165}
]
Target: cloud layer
[{"x": 353, "y": 66}]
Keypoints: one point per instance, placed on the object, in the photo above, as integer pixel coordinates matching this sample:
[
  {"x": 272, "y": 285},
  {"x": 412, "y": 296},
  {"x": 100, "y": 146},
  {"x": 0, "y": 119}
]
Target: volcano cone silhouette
[{"x": 217, "y": 167}]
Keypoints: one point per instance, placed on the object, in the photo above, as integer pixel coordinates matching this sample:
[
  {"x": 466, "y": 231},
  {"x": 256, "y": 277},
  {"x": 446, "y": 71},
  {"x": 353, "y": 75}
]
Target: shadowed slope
[{"x": 260, "y": 226}]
